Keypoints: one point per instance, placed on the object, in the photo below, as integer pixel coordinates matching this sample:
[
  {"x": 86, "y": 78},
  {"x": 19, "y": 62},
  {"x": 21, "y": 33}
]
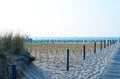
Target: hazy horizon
[{"x": 61, "y": 18}]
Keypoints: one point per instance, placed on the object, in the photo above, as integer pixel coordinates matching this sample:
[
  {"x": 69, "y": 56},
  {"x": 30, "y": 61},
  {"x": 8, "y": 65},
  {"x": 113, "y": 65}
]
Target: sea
[{"x": 75, "y": 39}]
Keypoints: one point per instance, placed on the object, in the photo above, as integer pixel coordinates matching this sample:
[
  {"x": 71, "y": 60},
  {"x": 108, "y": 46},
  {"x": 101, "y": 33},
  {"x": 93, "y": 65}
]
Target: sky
[{"x": 61, "y": 18}]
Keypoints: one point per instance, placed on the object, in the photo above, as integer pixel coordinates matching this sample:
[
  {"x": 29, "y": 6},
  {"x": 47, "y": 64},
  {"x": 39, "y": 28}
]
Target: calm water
[{"x": 77, "y": 38}]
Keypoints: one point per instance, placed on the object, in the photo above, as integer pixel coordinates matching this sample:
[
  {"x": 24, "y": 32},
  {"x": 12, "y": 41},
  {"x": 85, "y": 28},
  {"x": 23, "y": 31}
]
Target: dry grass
[
  {"x": 56, "y": 52},
  {"x": 74, "y": 47}
]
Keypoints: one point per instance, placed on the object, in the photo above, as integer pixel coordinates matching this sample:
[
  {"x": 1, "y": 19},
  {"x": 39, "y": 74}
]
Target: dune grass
[{"x": 10, "y": 46}]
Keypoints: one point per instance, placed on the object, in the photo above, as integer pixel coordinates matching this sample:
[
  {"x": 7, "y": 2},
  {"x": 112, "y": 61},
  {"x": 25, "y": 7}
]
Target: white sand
[{"x": 91, "y": 68}]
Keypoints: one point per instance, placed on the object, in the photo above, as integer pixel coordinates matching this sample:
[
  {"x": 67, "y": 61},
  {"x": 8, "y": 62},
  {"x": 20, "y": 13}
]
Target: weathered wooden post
[
  {"x": 67, "y": 59},
  {"x": 108, "y": 43},
  {"x": 13, "y": 71},
  {"x": 84, "y": 52},
  {"x": 104, "y": 44},
  {"x": 94, "y": 47},
  {"x": 101, "y": 45}
]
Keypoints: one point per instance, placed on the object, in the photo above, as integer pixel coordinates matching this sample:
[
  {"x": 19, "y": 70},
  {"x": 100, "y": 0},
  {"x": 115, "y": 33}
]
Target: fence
[
  {"x": 54, "y": 55},
  {"x": 67, "y": 54}
]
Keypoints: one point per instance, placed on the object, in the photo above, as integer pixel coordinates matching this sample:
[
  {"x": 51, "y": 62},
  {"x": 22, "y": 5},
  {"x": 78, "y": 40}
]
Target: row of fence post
[{"x": 109, "y": 43}]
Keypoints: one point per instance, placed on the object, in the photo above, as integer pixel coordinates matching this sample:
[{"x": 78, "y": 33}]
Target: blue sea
[{"x": 74, "y": 39}]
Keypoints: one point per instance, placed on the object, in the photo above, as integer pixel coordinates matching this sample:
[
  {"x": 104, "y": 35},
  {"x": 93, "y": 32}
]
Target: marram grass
[
  {"x": 12, "y": 49},
  {"x": 11, "y": 44}
]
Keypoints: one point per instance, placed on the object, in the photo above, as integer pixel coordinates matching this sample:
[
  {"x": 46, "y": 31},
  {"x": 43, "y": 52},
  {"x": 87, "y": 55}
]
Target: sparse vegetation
[{"x": 55, "y": 53}]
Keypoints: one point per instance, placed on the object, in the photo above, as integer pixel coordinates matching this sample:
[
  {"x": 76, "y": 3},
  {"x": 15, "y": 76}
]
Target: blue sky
[{"x": 61, "y": 18}]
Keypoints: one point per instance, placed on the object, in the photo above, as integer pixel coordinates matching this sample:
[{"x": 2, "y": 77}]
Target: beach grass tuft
[{"x": 11, "y": 44}]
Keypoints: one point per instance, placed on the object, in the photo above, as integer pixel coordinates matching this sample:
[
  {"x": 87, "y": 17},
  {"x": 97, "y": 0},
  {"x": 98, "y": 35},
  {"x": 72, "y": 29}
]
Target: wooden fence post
[
  {"x": 67, "y": 59},
  {"x": 108, "y": 43},
  {"x": 94, "y": 47},
  {"x": 84, "y": 52},
  {"x": 101, "y": 45},
  {"x": 13, "y": 71}
]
